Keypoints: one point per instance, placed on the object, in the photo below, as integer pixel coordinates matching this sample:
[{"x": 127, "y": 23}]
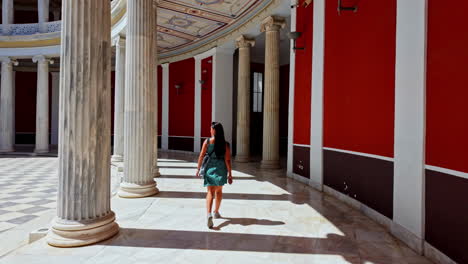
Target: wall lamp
[
  {"x": 178, "y": 86},
  {"x": 305, "y": 4},
  {"x": 202, "y": 82},
  {"x": 346, "y": 8},
  {"x": 294, "y": 36}
]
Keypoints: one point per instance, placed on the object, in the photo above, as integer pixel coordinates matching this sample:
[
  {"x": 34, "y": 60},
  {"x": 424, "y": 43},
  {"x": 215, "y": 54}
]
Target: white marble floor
[{"x": 268, "y": 218}]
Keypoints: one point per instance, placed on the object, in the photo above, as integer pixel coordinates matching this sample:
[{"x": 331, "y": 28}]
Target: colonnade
[
  {"x": 270, "y": 153},
  {"x": 8, "y": 12},
  {"x": 83, "y": 214},
  {"x": 7, "y": 108}
]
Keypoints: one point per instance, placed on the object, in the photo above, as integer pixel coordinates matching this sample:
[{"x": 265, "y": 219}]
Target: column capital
[
  {"x": 165, "y": 65},
  {"x": 119, "y": 41},
  {"x": 273, "y": 23},
  {"x": 41, "y": 59},
  {"x": 244, "y": 42},
  {"x": 8, "y": 61}
]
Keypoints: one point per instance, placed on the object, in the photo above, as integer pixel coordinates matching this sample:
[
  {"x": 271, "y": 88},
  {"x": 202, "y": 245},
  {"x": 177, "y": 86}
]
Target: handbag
[{"x": 205, "y": 162}]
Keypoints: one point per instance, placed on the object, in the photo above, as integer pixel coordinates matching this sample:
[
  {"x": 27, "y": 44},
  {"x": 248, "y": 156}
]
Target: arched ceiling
[{"x": 182, "y": 23}]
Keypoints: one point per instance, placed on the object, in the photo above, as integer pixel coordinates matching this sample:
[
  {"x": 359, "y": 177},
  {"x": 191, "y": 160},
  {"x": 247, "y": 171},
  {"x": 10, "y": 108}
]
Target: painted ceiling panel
[
  {"x": 166, "y": 41},
  {"x": 229, "y": 8},
  {"x": 184, "y": 22},
  {"x": 188, "y": 24}
]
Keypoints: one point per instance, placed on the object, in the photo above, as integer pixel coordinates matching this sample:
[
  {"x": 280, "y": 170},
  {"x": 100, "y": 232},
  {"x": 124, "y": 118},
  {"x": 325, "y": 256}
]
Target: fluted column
[
  {"x": 84, "y": 214},
  {"x": 155, "y": 104},
  {"x": 140, "y": 86},
  {"x": 243, "y": 99},
  {"x": 7, "y": 103},
  {"x": 7, "y": 15},
  {"x": 55, "y": 108},
  {"x": 270, "y": 158},
  {"x": 43, "y": 14},
  {"x": 119, "y": 100},
  {"x": 42, "y": 104}
]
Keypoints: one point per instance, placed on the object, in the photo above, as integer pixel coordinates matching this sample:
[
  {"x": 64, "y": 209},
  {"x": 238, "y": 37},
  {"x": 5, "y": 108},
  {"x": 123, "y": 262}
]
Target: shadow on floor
[
  {"x": 167, "y": 176},
  {"x": 246, "y": 222},
  {"x": 177, "y": 239},
  {"x": 235, "y": 196}
]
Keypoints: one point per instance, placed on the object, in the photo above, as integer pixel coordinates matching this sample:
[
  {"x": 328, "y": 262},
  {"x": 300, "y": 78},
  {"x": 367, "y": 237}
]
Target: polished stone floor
[{"x": 267, "y": 218}]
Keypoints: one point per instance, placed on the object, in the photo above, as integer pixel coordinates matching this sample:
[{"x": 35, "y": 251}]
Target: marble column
[
  {"x": 7, "y": 103},
  {"x": 84, "y": 214},
  {"x": 43, "y": 14},
  {"x": 42, "y": 104},
  {"x": 243, "y": 99},
  {"x": 140, "y": 86},
  {"x": 119, "y": 100},
  {"x": 7, "y": 16},
  {"x": 55, "y": 108},
  {"x": 270, "y": 157},
  {"x": 165, "y": 107},
  {"x": 155, "y": 100}
]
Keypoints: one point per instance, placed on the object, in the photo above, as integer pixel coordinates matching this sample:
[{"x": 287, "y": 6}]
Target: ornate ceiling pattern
[{"x": 184, "y": 22}]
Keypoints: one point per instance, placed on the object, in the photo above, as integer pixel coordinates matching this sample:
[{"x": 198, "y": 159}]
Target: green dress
[{"x": 216, "y": 171}]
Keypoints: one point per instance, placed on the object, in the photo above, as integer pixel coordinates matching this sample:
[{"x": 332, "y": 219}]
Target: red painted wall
[
  {"x": 160, "y": 76},
  {"x": 182, "y": 103},
  {"x": 303, "y": 76},
  {"x": 206, "y": 95},
  {"x": 447, "y": 93},
  {"x": 359, "y": 80}
]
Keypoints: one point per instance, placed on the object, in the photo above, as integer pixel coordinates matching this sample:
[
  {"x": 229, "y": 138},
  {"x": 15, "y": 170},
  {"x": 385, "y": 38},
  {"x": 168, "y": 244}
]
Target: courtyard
[{"x": 267, "y": 218}]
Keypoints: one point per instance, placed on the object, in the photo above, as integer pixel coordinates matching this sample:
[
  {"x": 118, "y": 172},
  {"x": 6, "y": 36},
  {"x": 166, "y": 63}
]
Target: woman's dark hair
[{"x": 220, "y": 141}]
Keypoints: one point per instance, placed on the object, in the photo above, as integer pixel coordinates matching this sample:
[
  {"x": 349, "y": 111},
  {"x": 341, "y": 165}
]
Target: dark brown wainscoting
[
  {"x": 368, "y": 180},
  {"x": 181, "y": 143},
  {"x": 447, "y": 214},
  {"x": 202, "y": 140},
  {"x": 159, "y": 142},
  {"x": 301, "y": 161}
]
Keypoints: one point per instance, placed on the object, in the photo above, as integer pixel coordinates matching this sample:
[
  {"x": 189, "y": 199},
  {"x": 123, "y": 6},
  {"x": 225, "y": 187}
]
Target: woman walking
[{"x": 217, "y": 171}]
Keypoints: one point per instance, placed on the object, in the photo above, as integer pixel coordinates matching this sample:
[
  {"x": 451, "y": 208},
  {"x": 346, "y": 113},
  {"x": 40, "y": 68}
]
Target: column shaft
[
  {"x": 84, "y": 215},
  {"x": 7, "y": 15},
  {"x": 139, "y": 101},
  {"x": 42, "y": 104},
  {"x": 155, "y": 98},
  {"x": 7, "y": 110},
  {"x": 55, "y": 108},
  {"x": 165, "y": 107},
  {"x": 119, "y": 100},
  {"x": 270, "y": 157},
  {"x": 243, "y": 100},
  {"x": 43, "y": 14}
]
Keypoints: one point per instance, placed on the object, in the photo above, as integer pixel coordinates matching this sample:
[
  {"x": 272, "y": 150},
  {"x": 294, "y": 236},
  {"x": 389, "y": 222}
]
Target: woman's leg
[
  {"x": 219, "y": 197},
  {"x": 209, "y": 198}
]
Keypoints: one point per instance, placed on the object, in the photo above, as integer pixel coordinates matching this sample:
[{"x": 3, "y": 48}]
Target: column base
[
  {"x": 117, "y": 158},
  {"x": 66, "y": 234},
  {"x": 270, "y": 164},
  {"x": 133, "y": 190},
  {"x": 41, "y": 151},
  {"x": 156, "y": 173},
  {"x": 6, "y": 150},
  {"x": 242, "y": 158}
]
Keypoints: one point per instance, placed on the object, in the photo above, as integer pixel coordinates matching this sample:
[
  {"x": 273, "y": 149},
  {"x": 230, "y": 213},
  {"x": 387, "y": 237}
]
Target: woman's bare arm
[
  {"x": 227, "y": 160},
  {"x": 202, "y": 154}
]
